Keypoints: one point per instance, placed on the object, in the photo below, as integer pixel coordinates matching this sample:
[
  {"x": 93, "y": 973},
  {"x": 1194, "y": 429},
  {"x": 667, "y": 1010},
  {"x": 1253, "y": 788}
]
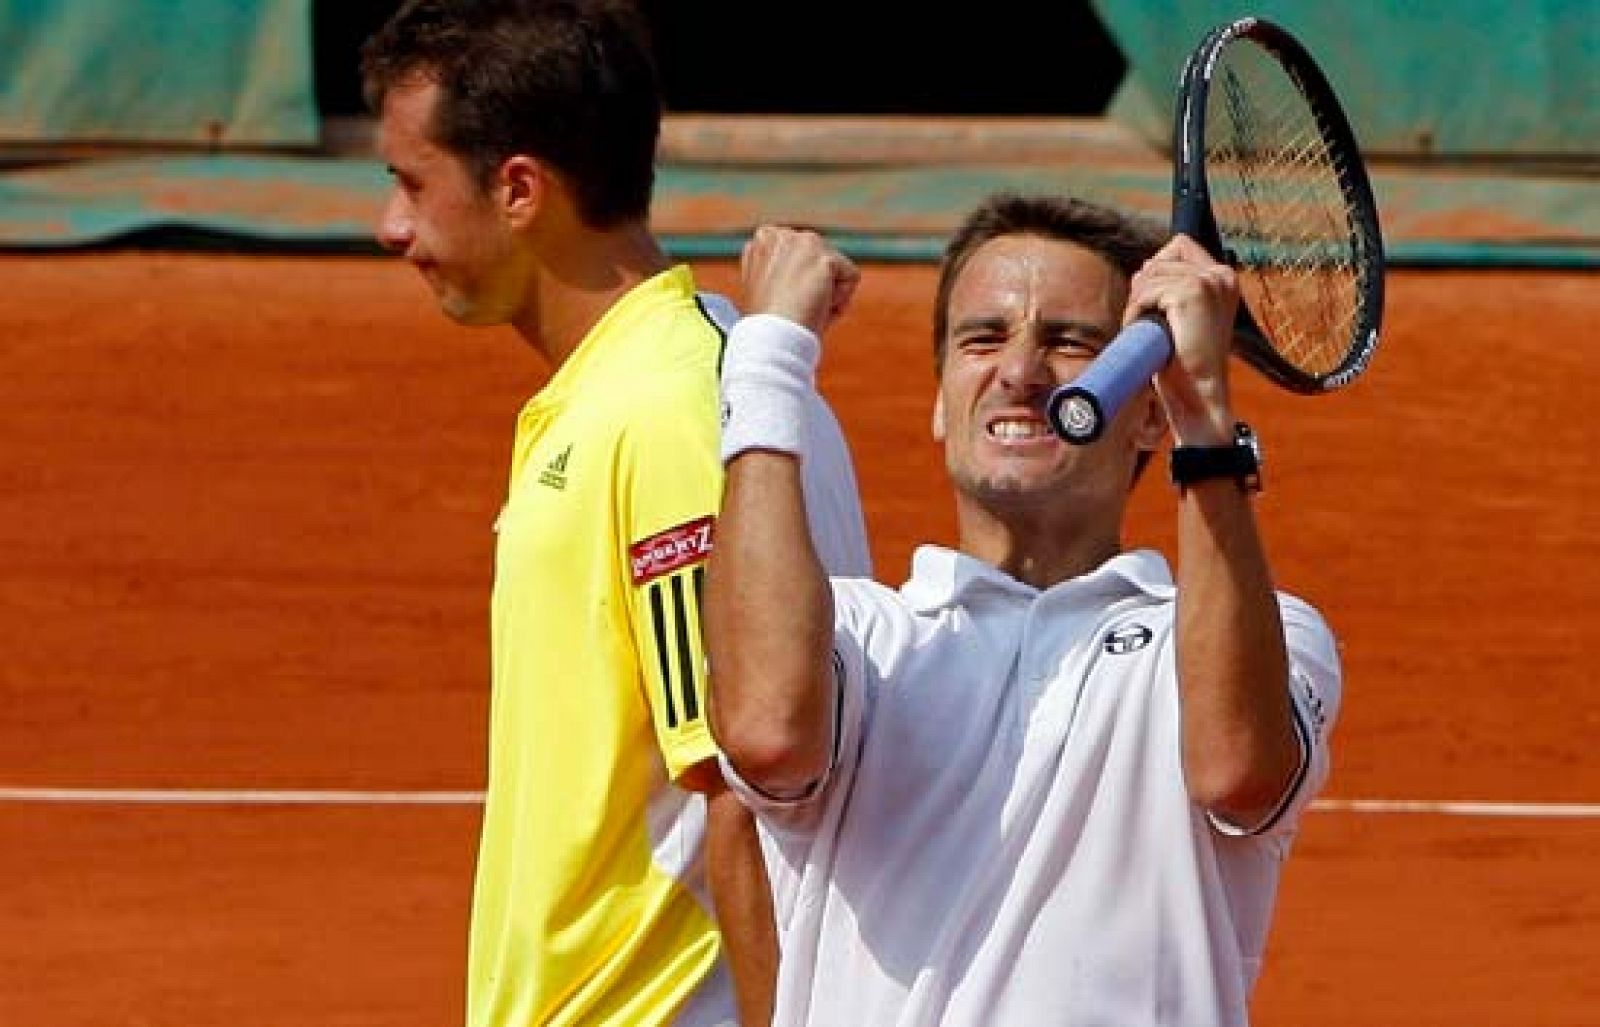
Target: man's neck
[
  {"x": 573, "y": 285},
  {"x": 1038, "y": 548}
]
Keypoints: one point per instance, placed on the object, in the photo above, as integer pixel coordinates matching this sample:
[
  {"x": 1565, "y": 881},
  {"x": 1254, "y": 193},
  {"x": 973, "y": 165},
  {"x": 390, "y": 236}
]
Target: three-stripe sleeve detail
[{"x": 677, "y": 631}]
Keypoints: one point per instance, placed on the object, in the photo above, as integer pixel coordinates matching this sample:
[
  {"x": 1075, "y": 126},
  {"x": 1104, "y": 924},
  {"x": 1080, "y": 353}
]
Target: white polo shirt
[{"x": 1006, "y": 838}]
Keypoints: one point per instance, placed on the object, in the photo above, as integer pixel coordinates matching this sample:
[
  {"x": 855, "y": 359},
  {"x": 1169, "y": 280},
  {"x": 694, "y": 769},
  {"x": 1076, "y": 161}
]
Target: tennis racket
[{"x": 1267, "y": 176}]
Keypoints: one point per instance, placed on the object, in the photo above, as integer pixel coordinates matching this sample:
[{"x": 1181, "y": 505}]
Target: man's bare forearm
[
  {"x": 742, "y": 900},
  {"x": 1239, "y": 745},
  {"x": 769, "y": 631}
]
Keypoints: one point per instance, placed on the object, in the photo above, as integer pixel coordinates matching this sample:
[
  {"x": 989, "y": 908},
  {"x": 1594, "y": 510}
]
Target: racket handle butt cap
[{"x": 1075, "y": 414}]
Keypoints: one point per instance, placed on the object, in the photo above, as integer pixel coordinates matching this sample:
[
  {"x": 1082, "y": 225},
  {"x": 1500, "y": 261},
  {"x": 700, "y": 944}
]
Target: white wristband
[{"x": 768, "y": 371}]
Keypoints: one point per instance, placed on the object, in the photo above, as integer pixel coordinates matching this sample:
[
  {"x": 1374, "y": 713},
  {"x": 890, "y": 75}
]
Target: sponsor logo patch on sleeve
[{"x": 671, "y": 550}]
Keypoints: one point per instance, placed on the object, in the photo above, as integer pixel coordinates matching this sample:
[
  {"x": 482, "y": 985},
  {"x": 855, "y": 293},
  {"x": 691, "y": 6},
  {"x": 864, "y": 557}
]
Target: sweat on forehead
[{"x": 1023, "y": 279}]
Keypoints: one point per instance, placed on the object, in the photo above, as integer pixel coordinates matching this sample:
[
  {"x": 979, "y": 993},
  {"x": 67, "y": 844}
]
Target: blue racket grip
[{"x": 1079, "y": 410}]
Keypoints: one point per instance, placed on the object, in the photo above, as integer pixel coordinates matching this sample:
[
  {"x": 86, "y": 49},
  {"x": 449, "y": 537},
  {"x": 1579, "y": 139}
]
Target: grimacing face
[
  {"x": 439, "y": 217},
  {"x": 1026, "y": 314}
]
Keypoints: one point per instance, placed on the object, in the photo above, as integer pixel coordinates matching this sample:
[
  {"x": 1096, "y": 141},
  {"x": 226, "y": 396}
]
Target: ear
[
  {"x": 938, "y": 414},
  {"x": 522, "y": 181},
  {"x": 1152, "y": 426}
]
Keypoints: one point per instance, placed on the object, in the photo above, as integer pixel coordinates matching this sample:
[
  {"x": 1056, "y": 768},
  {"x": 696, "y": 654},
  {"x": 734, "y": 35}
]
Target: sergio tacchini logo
[{"x": 1121, "y": 641}]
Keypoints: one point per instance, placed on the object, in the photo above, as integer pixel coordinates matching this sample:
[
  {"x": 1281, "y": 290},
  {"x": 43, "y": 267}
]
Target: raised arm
[
  {"x": 769, "y": 609},
  {"x": 1240, "y": 747}
]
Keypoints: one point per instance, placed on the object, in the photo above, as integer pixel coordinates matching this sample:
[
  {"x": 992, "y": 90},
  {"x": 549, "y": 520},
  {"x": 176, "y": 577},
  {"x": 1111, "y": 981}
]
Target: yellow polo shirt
[{"x": 589, "y": 906}]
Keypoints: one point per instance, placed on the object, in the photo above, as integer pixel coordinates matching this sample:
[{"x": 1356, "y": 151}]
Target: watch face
[{"x": 1248, "y": 438}]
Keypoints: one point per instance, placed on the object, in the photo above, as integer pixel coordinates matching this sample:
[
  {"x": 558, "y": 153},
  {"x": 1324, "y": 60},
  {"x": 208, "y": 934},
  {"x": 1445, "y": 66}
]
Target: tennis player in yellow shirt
[{"x": 521, "y": 136}]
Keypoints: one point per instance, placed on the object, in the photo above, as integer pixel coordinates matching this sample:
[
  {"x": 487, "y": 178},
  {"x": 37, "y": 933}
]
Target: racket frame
[
  {"x": 1079, "y": 410},
  {"x": 1191, "y": 196}
]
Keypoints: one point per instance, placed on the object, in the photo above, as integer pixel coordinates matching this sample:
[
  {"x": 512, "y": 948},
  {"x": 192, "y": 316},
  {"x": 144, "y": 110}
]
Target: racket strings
[{"x": 1278, "y": 198}]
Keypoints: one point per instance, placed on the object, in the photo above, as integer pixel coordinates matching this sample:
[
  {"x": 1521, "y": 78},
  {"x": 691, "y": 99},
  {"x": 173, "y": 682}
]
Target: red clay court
[{"x": 246, "y": 502}]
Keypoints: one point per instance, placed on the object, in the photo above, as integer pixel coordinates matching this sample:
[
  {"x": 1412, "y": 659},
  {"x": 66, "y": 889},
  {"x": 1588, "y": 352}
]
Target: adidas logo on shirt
[{"x": 555, "y": 473}]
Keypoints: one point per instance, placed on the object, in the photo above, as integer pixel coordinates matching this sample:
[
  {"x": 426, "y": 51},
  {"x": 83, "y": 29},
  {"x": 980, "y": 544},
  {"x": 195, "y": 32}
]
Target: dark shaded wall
[{"x": 740, "y": 57}]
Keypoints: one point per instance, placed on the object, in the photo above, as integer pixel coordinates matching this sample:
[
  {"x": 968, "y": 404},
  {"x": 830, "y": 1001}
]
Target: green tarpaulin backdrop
[
  {"x": 1448, "y": 77},
  {"x": 206, "y": 72}
]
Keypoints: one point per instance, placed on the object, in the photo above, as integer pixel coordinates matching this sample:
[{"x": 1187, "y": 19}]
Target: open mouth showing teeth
[{"x": 1017, "y": 431}]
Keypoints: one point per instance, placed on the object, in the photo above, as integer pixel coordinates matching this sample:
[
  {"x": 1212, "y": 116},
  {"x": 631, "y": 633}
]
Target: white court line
[
  {"x": 310, "y": 797},
  {"x": 246, "y": 796},
  {"x": 1459, "y": 808}
]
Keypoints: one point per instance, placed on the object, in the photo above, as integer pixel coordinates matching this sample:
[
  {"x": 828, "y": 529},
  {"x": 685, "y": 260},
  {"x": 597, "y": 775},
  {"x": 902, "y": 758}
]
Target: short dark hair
[
  {"x": 569, "y": 82},
  {"x": 1126, "y": 241}
]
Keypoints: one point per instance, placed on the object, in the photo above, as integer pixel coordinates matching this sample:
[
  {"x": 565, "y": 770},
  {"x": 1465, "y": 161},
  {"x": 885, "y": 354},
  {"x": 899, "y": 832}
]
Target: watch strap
[{"x": 1239, "y": 460}]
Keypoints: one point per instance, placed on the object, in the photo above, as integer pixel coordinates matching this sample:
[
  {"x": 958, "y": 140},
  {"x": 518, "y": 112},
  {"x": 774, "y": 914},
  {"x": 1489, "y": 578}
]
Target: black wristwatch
[{"x": 1240, "y": 460}]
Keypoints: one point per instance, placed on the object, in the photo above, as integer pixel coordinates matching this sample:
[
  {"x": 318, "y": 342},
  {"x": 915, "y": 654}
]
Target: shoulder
[
  {"x": 1304, "y": 623},
  {"x": 1296, "y": 606},
  {"x": 877, "y": 616},
  {"x": 662, "y": 328},
  {"x": 858, "y": 593},
  {"x": 667, "y": 379},
  {"x": 1315, "y": 664}
]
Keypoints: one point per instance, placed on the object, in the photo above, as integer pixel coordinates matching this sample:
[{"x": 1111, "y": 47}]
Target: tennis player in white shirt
[{"x": 1048, "y": 780}]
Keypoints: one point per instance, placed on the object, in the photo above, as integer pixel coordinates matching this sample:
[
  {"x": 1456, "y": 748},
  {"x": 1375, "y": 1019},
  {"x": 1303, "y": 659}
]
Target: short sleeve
[
  {"x": 1315, "y": 689},
  {"x": 851, "y": 688},
  {"x": 669, "y": 484}
]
